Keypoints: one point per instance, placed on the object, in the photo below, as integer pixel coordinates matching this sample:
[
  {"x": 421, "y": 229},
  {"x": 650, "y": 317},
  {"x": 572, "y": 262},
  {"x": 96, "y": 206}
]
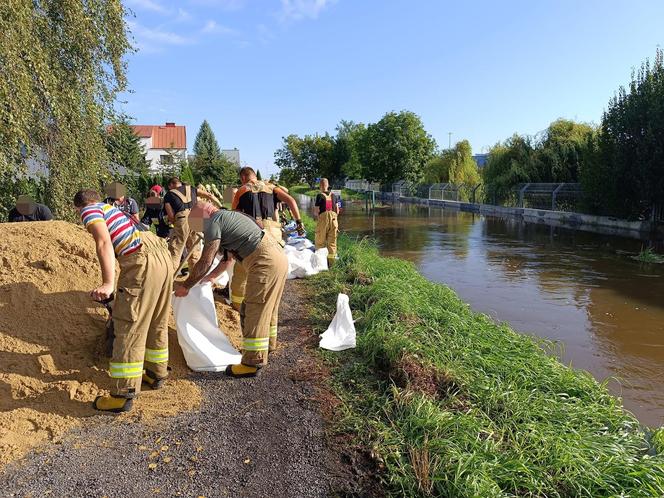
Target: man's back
[{"x": 40, "y": 213}]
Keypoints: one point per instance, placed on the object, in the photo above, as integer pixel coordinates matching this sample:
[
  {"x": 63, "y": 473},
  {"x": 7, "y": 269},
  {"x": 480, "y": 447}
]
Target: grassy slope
[
  {"x": 346, "y": 194},
  {"x": 455, "y": 404}
]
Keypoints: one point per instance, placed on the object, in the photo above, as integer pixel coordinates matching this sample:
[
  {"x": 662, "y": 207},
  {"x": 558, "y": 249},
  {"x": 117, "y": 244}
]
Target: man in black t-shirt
[
  {"x": 179, "y": 200},
  {"x": 155, "y": 215},
  {"x": 28, "y": 210}
]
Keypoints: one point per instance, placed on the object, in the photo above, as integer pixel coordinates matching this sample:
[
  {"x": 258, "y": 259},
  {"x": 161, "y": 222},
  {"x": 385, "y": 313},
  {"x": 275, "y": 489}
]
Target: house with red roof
[{"x": 164, "y": 144}]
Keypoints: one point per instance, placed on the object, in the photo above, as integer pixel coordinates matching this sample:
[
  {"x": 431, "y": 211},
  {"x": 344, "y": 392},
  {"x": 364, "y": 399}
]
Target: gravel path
[{"x": 252, "y": 438}]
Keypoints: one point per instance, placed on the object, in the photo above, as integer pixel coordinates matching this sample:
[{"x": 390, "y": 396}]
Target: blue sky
[{"x": 258, "y": 70}]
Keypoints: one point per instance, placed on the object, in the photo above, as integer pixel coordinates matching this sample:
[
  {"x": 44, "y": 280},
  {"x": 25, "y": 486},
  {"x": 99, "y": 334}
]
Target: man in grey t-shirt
[{"x": 266, "y": 265}]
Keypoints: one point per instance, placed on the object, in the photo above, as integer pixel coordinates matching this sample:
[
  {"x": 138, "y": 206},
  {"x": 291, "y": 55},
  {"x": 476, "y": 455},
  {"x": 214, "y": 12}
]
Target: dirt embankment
[{"x": 51, "y": 339}]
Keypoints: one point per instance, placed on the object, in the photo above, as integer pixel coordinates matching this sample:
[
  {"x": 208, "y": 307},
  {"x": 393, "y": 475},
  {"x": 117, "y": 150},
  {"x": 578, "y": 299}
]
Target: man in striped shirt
[{"x": 142, "y": 300}]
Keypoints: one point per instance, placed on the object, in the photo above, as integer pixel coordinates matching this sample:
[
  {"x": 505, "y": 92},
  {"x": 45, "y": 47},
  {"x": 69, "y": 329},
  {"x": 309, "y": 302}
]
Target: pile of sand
[{"x": 52, "y": 335}]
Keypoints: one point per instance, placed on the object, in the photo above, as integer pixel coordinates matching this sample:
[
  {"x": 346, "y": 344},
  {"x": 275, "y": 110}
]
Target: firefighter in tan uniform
[
  {"x": 178, "y": 203},
  {"x": 142, "y": 303},
  {"x": 326, "y": 209},
  {"x": 242, "y": 239},
  {"x": 258, "y": 199}
]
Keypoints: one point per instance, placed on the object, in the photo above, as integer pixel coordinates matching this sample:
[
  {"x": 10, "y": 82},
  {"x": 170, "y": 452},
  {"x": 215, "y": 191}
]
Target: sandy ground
[
  {"x": 251, "y": 438},
  {"x": 52, "y": 337}
]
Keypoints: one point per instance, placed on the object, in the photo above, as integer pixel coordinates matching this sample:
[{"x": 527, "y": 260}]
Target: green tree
[
  {"x": 397, "y": 147},
  {"x": 206, "y": 147},
  {"x": 62, "y": 66},
  {"x": 306, "y": 158},
  {"x": 124, "y": 147},
  {"x": 562, "y": 151},
  {"x": 557, "y": 155},
  {"x": 258, "y": 174},
  {"x": 454, "y": 165},
  {"x": 346, "y": 148},
  {"x": 509, "y": 164},
  {"x": 626, "y": 174},
  {"x": 209, "y": 165},
  {"x": 288, "y": 177}
]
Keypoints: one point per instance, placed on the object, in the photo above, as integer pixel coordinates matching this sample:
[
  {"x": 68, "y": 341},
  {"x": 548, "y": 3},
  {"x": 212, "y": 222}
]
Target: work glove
[{"x": 300, "y": 227}]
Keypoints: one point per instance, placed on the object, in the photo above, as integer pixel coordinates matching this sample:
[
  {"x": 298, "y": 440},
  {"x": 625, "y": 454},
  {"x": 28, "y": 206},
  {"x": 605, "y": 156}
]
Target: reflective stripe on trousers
[
  {"x": 126, "y": 370},
  {"x": 156, "y": 355}
]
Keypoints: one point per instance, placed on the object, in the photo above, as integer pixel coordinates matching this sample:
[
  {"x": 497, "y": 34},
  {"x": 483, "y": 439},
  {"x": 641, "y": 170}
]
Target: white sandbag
[
  {"x": 223, "y": 279},
  {"x": 299, "y": 242},
  {"x": 319, "y": 260},
  {"x": 205, "y": 347},
  {"x": 299, "y": 263},
  {"x": 340, "y": 334}
]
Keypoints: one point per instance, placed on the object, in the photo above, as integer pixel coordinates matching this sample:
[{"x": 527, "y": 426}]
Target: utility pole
[{"x": 449, "y": 141}]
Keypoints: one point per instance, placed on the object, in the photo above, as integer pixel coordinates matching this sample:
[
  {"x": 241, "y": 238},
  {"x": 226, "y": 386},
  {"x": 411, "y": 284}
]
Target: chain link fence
[{"x": 550, "y": 196}]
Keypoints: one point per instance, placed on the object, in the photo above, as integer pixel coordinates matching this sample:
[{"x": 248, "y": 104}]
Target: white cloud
[
  {"x": 296, "y": 10},
  {"x": 212, "y": 27},
  {"x": 152, "y": 5},
  {"x": 183, "y": 16},
  {"x": 152, "y": 40}
]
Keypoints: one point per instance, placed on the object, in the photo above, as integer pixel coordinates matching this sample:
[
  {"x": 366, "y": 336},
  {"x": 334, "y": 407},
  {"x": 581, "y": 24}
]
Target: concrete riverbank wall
[{"x": 586, "y": 222}]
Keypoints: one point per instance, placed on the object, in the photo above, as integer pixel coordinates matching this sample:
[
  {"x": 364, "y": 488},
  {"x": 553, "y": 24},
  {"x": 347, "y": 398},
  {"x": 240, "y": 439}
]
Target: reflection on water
[{"x": 578, "y": 288}]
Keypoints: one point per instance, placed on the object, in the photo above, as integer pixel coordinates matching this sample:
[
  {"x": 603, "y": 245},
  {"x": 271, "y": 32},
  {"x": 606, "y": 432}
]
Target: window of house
[{"x": 166, "y": 159}]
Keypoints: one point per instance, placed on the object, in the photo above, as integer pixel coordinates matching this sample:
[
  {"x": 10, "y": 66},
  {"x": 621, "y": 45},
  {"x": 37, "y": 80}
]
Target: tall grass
[
  {"x": 456, "y": 405},
  {"x": 648, "y": 255}
]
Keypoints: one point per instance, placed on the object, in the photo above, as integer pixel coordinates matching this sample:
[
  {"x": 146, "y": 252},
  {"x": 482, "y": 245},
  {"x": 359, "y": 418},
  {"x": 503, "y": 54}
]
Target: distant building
[
  {"x": 233, "y": 155},
  {"x": 163, "y": 144},
  {"x": 481, "y": 160}
]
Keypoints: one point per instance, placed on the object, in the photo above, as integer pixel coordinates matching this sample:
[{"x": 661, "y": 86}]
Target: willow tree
[{"x": 62, "y": 64}]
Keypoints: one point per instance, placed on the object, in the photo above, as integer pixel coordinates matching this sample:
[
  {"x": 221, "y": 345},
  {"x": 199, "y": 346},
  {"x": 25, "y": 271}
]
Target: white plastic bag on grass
[
  {"x": 205, "y": 347},
  {"x": 340, "y": 334},
  {"x": 319, "y": 260}
]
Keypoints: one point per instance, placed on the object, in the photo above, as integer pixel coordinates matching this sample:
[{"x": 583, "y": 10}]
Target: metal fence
[
  {"x": 444, "y": 192},
  {"x": 553, "y": 196},
  {"x": 362, "y": 186},
  {"x": 550, "y": 196}
]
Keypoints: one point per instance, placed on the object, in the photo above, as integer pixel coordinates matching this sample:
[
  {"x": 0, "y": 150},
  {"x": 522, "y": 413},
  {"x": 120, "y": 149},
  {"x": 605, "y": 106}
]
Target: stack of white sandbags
[{"x": 303, "y": 259}]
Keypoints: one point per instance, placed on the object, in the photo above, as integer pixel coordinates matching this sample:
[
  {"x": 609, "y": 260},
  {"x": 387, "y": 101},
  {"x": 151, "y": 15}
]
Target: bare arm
[
  {"x": 289, "y": 201},
  {"x": 106, "y": 256},
  {"x": 203, "y": 265},
  {"x": 170, "y": 214},
  {"x": 209, "y": 196},
  {"x": 219, "y": 269}
]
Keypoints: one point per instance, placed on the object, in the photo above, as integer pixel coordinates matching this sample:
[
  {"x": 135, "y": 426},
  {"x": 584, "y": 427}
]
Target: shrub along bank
[{"x": 454, "y": 404}]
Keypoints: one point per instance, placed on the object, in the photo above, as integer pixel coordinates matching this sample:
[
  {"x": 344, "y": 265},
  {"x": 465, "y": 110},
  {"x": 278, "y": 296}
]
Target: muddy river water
[{"x": 582, "y": 290}]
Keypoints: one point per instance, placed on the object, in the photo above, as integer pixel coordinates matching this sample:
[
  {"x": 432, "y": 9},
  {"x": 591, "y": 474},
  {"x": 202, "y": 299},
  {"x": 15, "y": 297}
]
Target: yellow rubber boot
[
  {"x": 151, "y": 380},
  {"x": 112, "y": 404},
  {"x": 241, "y": 371}
]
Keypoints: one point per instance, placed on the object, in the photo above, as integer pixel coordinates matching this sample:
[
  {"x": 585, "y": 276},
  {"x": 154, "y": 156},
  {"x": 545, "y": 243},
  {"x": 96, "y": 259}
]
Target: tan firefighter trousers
[
  {"x": 239, "y": 282},
  {"x": 140, "y": 316},
  {"x": 327, "y": 228},
  {"x": 266, "y": 269},
  {"x": 181, "y": 238}
]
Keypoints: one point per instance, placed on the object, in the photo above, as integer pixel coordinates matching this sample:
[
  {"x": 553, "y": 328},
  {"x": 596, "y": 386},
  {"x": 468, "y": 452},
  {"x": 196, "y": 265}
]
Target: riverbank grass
[
  {"x": 647, "y": 255},
  {"x": 453, "y": 404}
]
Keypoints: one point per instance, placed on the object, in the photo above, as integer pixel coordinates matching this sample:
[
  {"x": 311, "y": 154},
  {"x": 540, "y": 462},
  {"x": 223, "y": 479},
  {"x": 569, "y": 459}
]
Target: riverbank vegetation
[
  {"x": 451, "y": 403},
  {"x": 648, "y": 255},
  {"x": 617, "y": 163}
]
